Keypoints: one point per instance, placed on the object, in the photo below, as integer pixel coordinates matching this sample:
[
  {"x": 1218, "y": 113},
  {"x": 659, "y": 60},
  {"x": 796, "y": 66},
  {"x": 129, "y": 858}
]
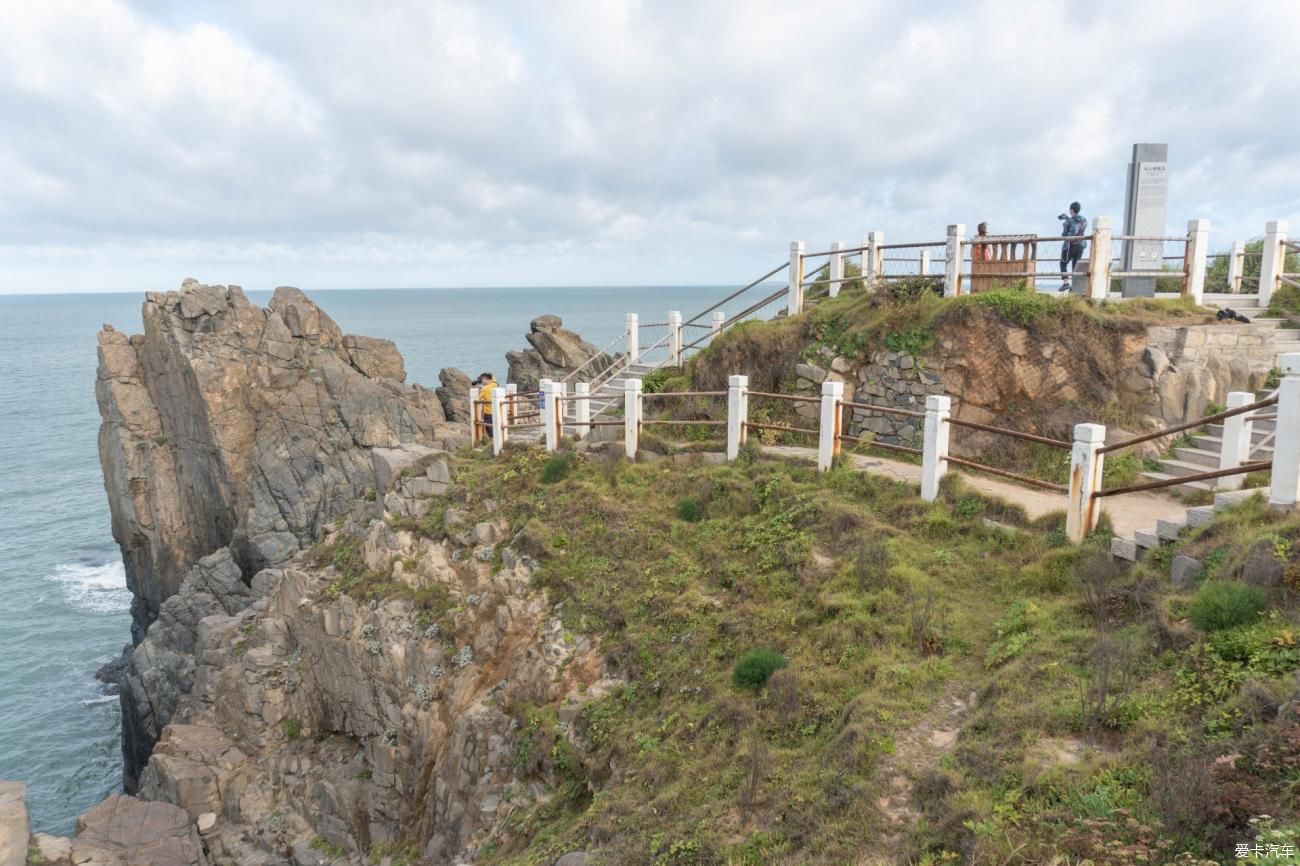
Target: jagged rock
[
  {"x": 231, "y": 427},
  {"x": 14, "y": 828},
  {"x": 53, "y": 850},
  {"x": 1185, "y": 571},
  {"x": 577, "y": 858},
  {"x": 454, "y": 394},
  {"x": 124, "y": 831},
  {"x": 388, "y": 463},
  {"x": 555, "y": 353}
]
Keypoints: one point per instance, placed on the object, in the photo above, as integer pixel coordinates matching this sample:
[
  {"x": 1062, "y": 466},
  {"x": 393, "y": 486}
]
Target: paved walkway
[{"x": 1128, "y": 513}]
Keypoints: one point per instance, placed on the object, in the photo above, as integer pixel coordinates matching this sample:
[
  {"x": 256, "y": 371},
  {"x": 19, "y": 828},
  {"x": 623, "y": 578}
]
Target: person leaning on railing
[
  {"x": 486, "y": 383},
  {"x": 1072, "y": 226}
]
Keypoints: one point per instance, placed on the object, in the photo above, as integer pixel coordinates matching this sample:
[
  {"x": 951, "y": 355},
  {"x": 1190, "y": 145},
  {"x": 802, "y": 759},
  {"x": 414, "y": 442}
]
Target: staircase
[
  {"x": 1285, "y": 340},
  {"x": 1166, "y": 531},
  {"x": 1203, "y": 454}
]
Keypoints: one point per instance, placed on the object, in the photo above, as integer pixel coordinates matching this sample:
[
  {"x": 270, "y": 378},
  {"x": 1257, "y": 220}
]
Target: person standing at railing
[
  {"x": 1073, "y": 225},
  {"x": 981, "y": 252},
  {"x": 486, "y": 384}
]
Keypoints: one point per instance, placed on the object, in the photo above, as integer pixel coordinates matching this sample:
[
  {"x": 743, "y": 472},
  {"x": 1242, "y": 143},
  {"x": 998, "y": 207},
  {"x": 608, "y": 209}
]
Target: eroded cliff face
[{"x": 232, "y": 434}]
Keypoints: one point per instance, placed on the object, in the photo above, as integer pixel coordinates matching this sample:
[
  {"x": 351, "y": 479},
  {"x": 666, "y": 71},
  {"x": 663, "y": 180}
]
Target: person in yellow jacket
[{"x": 486, "y": 384}]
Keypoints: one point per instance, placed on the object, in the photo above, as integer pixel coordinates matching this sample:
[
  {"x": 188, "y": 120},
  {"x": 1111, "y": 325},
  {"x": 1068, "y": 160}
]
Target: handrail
[
  {"x": 885, "y": 409},
  {"x": 874, "y": 443},
  {"x": 776, "y": 270},
  {"x": 1200, "y": 422},
  {"x": 1015, "y": 434},
  {"x": 683, "y": 394},
  {"x": 798, "y": 398},
  {"x": 1184, "y": 479},
  {"x": 604, "y": 351},
  {"x": 781, "y": 427},
  {"x": 1015, "y": 476},
  {"x": 741, "y": 315}
]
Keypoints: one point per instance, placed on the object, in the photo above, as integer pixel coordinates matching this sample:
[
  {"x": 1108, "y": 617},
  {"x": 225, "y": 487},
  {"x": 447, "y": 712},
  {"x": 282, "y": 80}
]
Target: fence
[{"x": 1087, "y": 449}]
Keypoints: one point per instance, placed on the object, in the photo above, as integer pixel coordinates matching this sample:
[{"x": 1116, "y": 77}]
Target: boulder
[
  {"x": 388, "y": 463},
  {"x": 124, "y": 830},
  {"x": 555, "y": 352},
  {"x": 378, "y": 359},
  {"x": 454, "y": 394},
  {"x": 14, "y": 827},
  {"x": 1185, "y": 571},
  {"x": 54, "y": 850}
]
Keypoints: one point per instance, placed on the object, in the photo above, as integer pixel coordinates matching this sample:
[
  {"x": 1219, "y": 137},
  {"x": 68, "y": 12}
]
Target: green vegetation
[
  {"x": 1286, "y": 299},
  {"x": 690, "y": 509},
  {"x": 1029, "y": 698},
  {"x": 1221, "y": 605},
  {"x": 1216, "y": 275},
  {"x": 292, "y": 729},
  {"x": 754, "y": 668},
  {"x": 328, "y": 848},
  {"x": 556, "y": 467}
]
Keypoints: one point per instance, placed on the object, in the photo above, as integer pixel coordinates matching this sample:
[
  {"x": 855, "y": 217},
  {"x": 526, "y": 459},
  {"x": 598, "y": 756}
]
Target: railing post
[
  {"x": 1236, "y": 266},
  {"x": 873, "y": 258},
  {"x": 1236, "y": 440},
  {"x": 1285, "y": 488},
  {"x": 1198, "y": 246},
  {"x": 925, "y": 263},
  {"x": 631, "y": 416},
  {"x": 498, "y": 420},
  {"x": 737, "y": 413},
  {"x": 549, "y": 406},
  {"x": 828, "y": 433},
  {"x": 934, "y": 457},
  {"x": 835, "y": 273},
  {"x": 952, "y": 286},
  {"x": 719, "y": 318},
  {"x": 794, "y": 297},
  {"x": 1099, "y": 263},
  {"x": 512, "y": 407},
  {"x": 1083, "y": 510},
  {"x": 1272, "y": 262},
  {"x": 633, "y": 328},
  {"x": 675, "y": 338},
  {"x": 475, "y": 428},
  {"x": 581, "y": 410}
]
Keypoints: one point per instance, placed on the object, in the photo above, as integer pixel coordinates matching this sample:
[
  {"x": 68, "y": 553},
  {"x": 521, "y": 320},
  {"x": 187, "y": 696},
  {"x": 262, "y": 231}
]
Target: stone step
[
  {"x": 1204, "y": 457},
  {"x": 1258, "y": 429},
  {"x": 1183, "y": 467},
  {"x": 1146, "y": 539},
  {"x": 1215, "y": 444},
  {"x": 1169, "y": 530},
  {"x": 1125, "y": 549},
  {"x": 1199, "y": 516},
  {"x": 1186, "y": 487},
  {"x": 1229, "y": 498}
]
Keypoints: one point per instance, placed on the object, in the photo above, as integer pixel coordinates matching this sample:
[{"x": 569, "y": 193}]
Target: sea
[{"x": 64, "y": 606}]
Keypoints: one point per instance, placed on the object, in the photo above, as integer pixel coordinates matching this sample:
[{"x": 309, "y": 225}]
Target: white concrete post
[
  {"x": 549, "y": 420},
  {"x": 631, "y": 416},
  {"x": 1236, "y": 265},
  {"x": 1272, "y": 260},
  {"x": 953, "y": 253},
  {"x": 581, "y": 410},
  {"x": 835, "y": 273},
  {"x": 1082, "y": 510},
  {"x": 794, "y": 297},
  {"x": 512, "y": 408},
  {"x": 1099, "y": 263},
  {"x": 475, "y": 431},
  {"x": 1285, "y": 490},
  {"x": 1198, "y": 247},
  {"x": 1236, "y": 441},
  {"x": 675, "y": 338},
  {"x": 737, "y": 413},
  {"x": 828, "y": 433},
  {"x": 719, "y": 319},
  {"x": 498, "y": 420},
  {"x": 633, "y": 328},
  {"x": 925, "y": 262},
  {"x": 934, "y": 457},
  {"x": 873, "y": 258}
]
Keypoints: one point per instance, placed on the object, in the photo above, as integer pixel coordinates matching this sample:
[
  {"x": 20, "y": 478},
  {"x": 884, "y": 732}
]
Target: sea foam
[{"x": 95, "y": 587}]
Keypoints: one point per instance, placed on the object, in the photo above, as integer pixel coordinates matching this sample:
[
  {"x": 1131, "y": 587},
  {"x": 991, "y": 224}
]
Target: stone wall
[{"x": 1157, "y": 376}]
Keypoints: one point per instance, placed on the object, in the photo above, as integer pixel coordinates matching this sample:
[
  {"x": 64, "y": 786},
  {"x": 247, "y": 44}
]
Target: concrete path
[{"x": 1128, "y": 513}]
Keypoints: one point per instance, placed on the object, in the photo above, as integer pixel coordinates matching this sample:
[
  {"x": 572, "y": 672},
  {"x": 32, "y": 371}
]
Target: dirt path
[{"x": 1127, "y": 513}]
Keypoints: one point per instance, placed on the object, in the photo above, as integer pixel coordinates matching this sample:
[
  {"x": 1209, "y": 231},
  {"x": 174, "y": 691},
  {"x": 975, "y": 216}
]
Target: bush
[
  {"x": 555, "y": 468},
  {"x": 1222, "y": 604},
  {"x": 690, "y": 509},
  {"x": 754, "y": 667}
]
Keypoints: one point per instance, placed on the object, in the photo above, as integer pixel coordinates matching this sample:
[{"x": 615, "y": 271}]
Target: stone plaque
[{"x": 1145, "y": 202}]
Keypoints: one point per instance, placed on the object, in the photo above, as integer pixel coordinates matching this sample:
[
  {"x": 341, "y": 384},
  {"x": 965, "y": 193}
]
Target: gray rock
[
  {"x": 14, "y": 826},
  {"x": 554, "y": 353},
  {"x": 1185, "y": 571},
  {"x": 577, "y": 858},
  {"x": 125, "y": 830},
  {"x": 454, "y": 394}
]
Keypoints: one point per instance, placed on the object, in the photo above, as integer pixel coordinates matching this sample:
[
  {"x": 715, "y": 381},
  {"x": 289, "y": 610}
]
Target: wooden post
[
  {"x": 1236, "y": 266},
  {"x": 512, "y": 407},
  {"x": 737, "y": 413},
  {"x": 828, "y": 432},
  {"x": 1082, "y": 510},
  {"x": 1284, "y": 491},
  {"x": 633, "y": 328},
  {"x": 1272, "y": 261},
  {"x": 794, "y": 297},
  {"x": 953, "y": 252},
  {"x": 835, "y": 273},
  {"x": 1198, "y": 246},
  {"x": 581, "y": 410},
  {"x": 1235, "y": 448},
  {"x": 631, "y": 416},
  {"x": 934, "y": 457},
  {"x": 1099, "y": 264}
]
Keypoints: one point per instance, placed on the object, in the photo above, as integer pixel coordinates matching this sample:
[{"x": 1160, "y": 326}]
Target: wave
[{"x": 99, "y": 588}]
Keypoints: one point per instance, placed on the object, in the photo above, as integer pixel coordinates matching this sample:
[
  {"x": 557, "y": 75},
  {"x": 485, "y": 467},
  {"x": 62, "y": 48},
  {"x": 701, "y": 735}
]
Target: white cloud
[{"x": 457, "y": 142}]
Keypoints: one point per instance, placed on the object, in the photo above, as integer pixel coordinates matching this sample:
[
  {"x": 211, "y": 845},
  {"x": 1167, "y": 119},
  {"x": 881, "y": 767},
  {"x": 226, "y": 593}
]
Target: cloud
[{"x": 453, "y": 143}]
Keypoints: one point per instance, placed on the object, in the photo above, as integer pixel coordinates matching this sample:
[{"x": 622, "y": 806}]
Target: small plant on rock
[{"x": 292, "y": 729}]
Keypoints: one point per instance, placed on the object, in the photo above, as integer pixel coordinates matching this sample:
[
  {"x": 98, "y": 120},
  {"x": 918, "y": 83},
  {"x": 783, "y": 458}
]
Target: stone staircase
[
  {"x": 1203, "y": 454},
  {"x": 1285, "y": 340},
  {"x": 1166, "y": 531}
]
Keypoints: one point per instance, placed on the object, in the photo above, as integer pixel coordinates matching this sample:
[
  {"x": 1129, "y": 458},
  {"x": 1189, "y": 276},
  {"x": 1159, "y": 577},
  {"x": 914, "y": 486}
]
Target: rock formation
[
  {"x": 232, "y": 435},
  {"x": 555, "y": 353},
  {"x": 454, "y": 394}
]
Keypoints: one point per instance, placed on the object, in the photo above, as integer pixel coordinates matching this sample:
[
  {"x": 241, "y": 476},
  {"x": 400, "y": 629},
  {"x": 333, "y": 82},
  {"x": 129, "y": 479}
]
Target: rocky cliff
[
  {"x": 554, "y": 352},
  {"x": 231, "y": 436}
]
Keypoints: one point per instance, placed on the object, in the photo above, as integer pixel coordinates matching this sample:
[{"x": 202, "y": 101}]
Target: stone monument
[{"x": 1146, "y": 197}]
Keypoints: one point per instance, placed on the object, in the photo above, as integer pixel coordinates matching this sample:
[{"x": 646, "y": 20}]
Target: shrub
[
  {"x": 292, "y": 729},
  {"x": 690, "y": 509},
  {"x": 556, "y": 468},
  {"x": 754, "y": 667},
  {"x": 1221, "y": 604}
]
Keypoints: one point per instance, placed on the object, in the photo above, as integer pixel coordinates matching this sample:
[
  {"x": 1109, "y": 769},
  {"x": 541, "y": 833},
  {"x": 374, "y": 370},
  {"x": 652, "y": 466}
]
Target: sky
[{"x": 334, "y": 144}]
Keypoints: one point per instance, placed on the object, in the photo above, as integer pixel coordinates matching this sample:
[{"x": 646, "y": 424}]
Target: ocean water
[{"x": 65, "y": 608}]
